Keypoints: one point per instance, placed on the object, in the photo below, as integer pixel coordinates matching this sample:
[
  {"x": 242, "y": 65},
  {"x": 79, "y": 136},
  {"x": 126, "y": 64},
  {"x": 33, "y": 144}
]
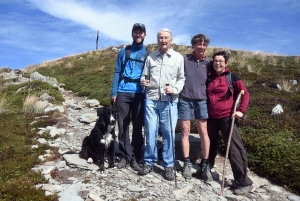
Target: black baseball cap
[{"x": 139, "y": 25}]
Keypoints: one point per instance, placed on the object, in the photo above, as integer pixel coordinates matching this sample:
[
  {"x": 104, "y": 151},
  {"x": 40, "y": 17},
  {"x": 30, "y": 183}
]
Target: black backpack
[{"x": 127, "y": 53}]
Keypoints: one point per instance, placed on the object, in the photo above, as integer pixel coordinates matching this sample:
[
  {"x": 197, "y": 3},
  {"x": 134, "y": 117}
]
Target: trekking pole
[
  {"x": 145, "y": 91},
  {"x": 229, "y": 139},
  {"x": 171, "y": 128},
  {"x": 145, "y": 105}
]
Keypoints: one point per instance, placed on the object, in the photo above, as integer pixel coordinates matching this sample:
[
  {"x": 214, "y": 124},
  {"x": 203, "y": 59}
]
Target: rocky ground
[{"x": 73, "y": 179}]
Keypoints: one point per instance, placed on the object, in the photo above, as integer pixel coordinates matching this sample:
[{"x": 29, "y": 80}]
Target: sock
[
  {"x": 204, "y": 161},
  {"x": 186, "y": 160}
]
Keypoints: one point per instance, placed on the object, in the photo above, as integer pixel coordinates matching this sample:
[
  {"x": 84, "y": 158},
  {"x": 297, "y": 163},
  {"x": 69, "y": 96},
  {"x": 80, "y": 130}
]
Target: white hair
[{"x": 164, "y": 30}]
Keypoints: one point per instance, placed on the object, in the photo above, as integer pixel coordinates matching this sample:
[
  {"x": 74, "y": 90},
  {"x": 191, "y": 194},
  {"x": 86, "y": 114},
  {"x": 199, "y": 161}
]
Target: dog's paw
[{"x": 89, "y": 160}]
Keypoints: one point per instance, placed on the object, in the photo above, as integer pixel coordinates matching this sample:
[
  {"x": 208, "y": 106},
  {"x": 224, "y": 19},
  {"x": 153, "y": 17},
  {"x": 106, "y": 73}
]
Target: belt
[{"x": 127, "y": 79}]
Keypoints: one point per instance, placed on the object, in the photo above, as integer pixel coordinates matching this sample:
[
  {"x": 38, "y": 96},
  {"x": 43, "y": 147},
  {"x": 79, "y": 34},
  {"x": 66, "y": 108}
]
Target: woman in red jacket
[{"x": 220, "y": 106}]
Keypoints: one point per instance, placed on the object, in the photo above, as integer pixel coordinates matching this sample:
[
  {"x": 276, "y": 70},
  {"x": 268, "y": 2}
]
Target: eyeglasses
[{"x": 219, "y": 61}]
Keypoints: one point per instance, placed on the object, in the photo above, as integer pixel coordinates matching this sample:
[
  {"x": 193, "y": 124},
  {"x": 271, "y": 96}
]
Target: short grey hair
[{"x": 164, "y": 30}]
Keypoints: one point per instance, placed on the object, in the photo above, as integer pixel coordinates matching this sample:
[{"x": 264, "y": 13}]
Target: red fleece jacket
[{"x": 218, "y": 105}]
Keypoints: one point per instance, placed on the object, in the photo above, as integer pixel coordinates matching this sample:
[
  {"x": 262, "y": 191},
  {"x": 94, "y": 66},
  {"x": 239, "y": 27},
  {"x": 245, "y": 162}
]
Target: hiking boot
[
  {"x": 204, "y": 172},
  {"x": 243, "y": 190},
  {"x": 134, "y": 165},
  {"x": 146, "y": 169},
  {"x": 186, "y": 172},
  {"x": 231, "y": 183},
  {"x": 123, "y": 163},
  {"x": 169, "y": 173}
]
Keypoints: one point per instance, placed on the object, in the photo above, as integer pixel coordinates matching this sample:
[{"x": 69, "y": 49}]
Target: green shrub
[{"x": 17, "y": 158}]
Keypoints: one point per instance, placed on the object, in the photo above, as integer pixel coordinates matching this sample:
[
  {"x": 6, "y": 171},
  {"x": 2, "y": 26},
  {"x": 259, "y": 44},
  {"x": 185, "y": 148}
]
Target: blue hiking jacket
[{"x": 133, "y": 70}]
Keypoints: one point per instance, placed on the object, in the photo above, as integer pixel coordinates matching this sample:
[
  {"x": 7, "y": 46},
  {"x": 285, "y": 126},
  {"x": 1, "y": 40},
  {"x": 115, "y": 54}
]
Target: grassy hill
[{"x": 272, "y": 142}]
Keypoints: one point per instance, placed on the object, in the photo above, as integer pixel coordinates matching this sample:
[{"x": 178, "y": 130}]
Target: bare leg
[
  {"x": 185, "y": 131},
  {"x": 205, "y": 142}
]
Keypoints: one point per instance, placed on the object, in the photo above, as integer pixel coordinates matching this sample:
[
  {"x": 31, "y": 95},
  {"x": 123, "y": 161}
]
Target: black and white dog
[{"x": 102, "y": 138}]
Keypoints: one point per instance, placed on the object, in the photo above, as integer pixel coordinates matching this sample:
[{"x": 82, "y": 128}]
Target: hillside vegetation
[
  {"x": 18, "y": 133},
  {"x": 272, "y": 141}
]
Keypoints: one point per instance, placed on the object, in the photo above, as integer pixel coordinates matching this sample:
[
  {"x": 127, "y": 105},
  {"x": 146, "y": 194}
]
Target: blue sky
[{"x": 34, "y": 31}]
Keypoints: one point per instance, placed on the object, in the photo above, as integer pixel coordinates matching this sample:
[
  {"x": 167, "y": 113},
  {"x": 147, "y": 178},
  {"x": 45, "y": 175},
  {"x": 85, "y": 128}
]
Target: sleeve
[
  {"x": 238, "y": 86},
  {"x": 118, "y": 69},
  {"x": 180, "y": 75}
]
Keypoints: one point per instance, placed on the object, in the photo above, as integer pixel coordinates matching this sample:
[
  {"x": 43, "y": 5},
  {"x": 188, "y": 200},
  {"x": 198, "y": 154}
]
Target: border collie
[{"x": 101, "y": 140}]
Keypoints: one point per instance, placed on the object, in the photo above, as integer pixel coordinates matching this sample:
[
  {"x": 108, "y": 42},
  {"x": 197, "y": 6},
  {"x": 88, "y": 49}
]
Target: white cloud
[
  {"x": 115, "y": 20},
  {"x": 56, "y": 28}
]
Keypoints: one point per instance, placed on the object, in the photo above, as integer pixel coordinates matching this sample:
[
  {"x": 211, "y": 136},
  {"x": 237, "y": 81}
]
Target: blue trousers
[{"x": 157, "y": 115}]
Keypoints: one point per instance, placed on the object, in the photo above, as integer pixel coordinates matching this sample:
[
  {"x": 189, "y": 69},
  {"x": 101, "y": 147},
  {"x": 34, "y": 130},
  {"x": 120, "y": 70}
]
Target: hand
[
  {"x": 169, "y": 90},
  {"x": 238, "y": 114},
  {"x": 145, "y": 83},
  {"x": 113, "y": 99}
]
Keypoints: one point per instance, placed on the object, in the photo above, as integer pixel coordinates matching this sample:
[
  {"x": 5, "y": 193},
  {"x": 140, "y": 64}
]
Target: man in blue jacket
[{"x": 128, "y": 95}]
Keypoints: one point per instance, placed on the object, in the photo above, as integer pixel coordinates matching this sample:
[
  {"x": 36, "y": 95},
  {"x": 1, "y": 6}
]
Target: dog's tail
[{"x": 84, "y": 153}]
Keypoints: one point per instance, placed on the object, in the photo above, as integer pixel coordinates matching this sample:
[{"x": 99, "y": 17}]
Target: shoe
[
  {"x": 204, "y": 172},
  {"x": 146, "y": 169},
  {"x": 231, "y": 183},
  {"x": 243, "y": 190},
  {"x": 169, "y": 173},
  {"x": 134, "y": 165},
  {"x": 123, "y": 163},
  {"x": 186, "y": 172}
]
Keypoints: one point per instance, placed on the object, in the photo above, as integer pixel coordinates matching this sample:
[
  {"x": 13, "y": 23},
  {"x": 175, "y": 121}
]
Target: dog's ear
[{"x": 100, "y": 111}]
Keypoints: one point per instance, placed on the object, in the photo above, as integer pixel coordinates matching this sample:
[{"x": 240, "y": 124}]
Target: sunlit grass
[
  {"x": 3, "y": 103},
  {"x": 31, "y": 105},
  {"x": 286, "y": 85},
  {"x": 252, "y": 69}
]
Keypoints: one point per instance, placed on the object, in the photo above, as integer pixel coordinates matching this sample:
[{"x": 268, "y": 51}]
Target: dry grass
[
  {"x": 286, "y": 85},
  {"x": 261, "y": 56},
  {"x": 272, "y": 61},
  {"x": 90, "y": 54},
  {"x": 184, "y": 49},
  {"x": 209, "y": 52},
  {"x": 243, "y": 55},
  {"x": 241, "y": 63},
  {"x": 3, "y": 105},
  {"x": 69, "y": 64},
  {"x": 248, "y": 83},
  {"x": 31, "y": 105},
  {"x": 252, "y": 69},
  {"x": 297, "y": 59}
]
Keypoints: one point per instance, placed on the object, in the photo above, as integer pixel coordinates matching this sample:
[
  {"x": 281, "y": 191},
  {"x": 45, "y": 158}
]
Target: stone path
[{"x": 76, "y": 180}]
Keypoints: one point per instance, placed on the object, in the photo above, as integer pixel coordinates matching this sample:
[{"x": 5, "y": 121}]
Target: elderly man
[{"x": 165, "y": 70}]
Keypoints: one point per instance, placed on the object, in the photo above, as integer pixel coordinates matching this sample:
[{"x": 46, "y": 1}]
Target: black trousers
[
  {"x": 130, "y": 107},
  {"x": 237, "y": 153}
]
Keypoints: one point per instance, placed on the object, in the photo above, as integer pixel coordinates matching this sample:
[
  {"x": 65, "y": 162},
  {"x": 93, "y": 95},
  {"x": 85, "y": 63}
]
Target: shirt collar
[
  {"x": 169, "y": 52},
  {"x": 200, "y": 58}
]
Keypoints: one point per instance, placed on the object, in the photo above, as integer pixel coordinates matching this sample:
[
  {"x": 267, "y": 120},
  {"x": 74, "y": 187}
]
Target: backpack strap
[
  {"x": 127, "y": 57},
  {"x": 229, "y": 80}
]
